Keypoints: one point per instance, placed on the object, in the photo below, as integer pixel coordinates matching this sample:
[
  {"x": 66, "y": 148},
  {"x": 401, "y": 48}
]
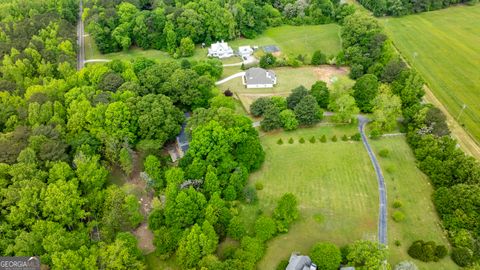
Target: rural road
[
  {"x": 382, "y": 218},
  {"x": 80, "y": 39},
  {"x": 236, "y": 75}
]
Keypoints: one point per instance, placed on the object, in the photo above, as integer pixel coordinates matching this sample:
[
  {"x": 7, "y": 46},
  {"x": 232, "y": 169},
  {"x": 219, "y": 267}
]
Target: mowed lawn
[
  {"x": 334, "y": 183},
  {"x": 406, "y": 183},
  {"x": 297, "y": 40},
  {"x": 288, "y": 78},
  {"x": 292, "y": 40},
  {"x": 444, "y": 46}
]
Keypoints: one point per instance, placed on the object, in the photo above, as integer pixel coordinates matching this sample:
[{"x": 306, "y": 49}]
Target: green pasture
[
  {"x": 444, "y": 47},
  {"x": 335, "y": 185},
  {"x": 338, "y": 196},
  {"x": 297, "y": 40},
  {"x": 407, "y": 184}
]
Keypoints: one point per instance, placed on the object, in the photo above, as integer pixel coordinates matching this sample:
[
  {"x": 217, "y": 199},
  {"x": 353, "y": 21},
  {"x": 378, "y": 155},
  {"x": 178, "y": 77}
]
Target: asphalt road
[
  {"x": 382, "y": 218},
  {"x": 80, "y": 39}
]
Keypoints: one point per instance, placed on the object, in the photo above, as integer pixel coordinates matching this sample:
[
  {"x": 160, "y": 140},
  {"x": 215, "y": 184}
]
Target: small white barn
[
  {"x": 245, "y": 50},
  {"x": 259, "y": 78},
  {"x": 220, "y": 50}
]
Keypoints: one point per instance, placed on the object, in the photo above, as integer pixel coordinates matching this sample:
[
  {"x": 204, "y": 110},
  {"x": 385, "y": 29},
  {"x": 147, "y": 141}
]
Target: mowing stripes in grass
[{"x": 443, "y": 46}]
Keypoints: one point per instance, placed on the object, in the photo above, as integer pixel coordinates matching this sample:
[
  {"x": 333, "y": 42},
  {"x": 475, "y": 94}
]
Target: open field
[
  {"x": 443, "y": 46},
  {"x": 297, "y": 40},
  {"x": 406, "y": 183},
  {"x": 287, "y": 79},
  {"x": 335, "y": 185},
  {"x": 290, "y": 39}
]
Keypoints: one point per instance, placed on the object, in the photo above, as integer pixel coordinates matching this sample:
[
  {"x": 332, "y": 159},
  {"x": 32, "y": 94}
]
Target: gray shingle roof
[{"x": 259, "y": 76}]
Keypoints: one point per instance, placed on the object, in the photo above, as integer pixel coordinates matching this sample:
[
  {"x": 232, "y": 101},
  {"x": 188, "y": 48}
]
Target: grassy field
[
  {"x": 290, "y": 39},
  {"x": 443, "y": 46},
  {"x": 338, "y": 197},
  {"x": 335, "y": 185},
  {"x": 287, "y": 79},
  {"x": 296, "y": 40},
  {"x": 406, "y": 183}
]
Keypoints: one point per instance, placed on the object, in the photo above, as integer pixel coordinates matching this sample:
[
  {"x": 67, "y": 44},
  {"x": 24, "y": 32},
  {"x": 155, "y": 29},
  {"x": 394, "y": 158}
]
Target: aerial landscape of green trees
[
  {"x": 63, "y": 133},
  {"x": 174, "y": 26}
]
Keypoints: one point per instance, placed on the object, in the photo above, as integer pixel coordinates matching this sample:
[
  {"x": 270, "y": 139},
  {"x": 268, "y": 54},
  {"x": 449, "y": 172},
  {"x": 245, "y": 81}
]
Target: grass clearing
[
  {"x": 443, "y": 46},
  {"x": 334, "y": 183},
  {"x": 288, "y": 78},
  {"x": 154, "y": 262},
  {"x": 406, "y": 183},
  {"x": 295, "y": 40}
]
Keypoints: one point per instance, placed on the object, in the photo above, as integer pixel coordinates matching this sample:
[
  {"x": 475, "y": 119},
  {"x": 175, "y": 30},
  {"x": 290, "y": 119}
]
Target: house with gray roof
[
  {"x": 259, "y": 78},
  {"x": 299, "y": 262}
]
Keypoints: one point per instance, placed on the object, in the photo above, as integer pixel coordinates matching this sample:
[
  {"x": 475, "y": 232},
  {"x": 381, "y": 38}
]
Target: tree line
[
  {"x": 454, "y": 175},
  {"x": 175, "y": 26}
]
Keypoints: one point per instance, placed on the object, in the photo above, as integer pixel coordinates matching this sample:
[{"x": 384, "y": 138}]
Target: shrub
[
  {"x": 397, "y": 204},
  {"x": 302, "y": 140},
  {"x": 326, "y": 256},
  {"x": 312, "y": 139},
  {"x": 441, "y": 251},
  {"x": 280, "y": 141},
  {"x": 319, "y": 58},
  {"x": 398, "y": 243},
  {"x": 323, "y": 139},
  {"x": 290, "y": 141},
  {"x": 356, "y": 137},
  {"x": 427, "y": 251},
  {"x": 265, "y": 228},
  {"x": 260, "y": 106},
  {"x": 334, "y": 138},
  {"x": 344, "y": 138},
  {"x": 258, "y": 186},
  {"x": 268, "y": 60},
  {"x": 375, "y": 134},
  {"x": 462, "y": 256},
  {"x": 383, "y": 153},
  {"x": 398, "y": 216}
]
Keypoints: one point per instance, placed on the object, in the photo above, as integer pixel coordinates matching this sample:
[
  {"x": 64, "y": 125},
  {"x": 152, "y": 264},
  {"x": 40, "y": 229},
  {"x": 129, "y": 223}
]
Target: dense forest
[
  {"x": 405, "y": 7},
  {"x": 174, "y": 26}
]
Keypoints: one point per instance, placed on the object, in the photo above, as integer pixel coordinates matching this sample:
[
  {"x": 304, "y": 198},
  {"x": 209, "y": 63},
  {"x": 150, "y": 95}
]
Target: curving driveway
[
  {"x": 382, "y": 218},
  {"x": 236, "y": 75}
]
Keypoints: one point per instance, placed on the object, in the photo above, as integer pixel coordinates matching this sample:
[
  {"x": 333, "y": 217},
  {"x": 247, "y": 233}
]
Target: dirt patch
[
  {"x": 138, "y": 186},
  {"x": 329, "y": 74},
  {"x": 145, "y": 238}
]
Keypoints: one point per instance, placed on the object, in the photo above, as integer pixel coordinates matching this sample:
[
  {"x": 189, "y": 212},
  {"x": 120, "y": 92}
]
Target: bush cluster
[{"x": 427, "y": 251}]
